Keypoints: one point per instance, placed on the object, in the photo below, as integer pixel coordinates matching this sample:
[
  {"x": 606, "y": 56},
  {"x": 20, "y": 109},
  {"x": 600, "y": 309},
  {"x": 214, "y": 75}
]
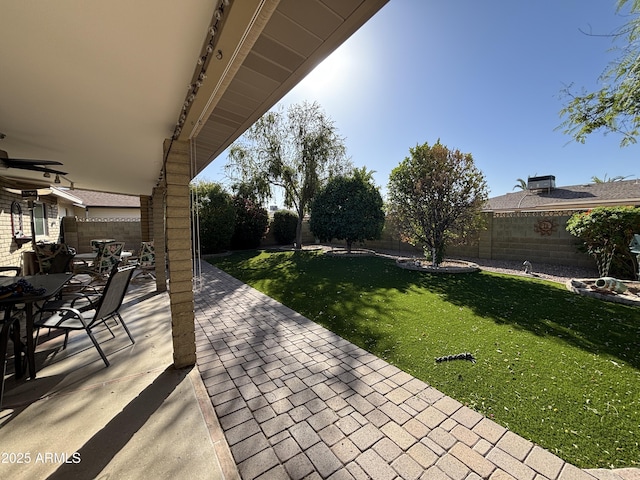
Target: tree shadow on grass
[
  {"x": 340, "y": 292},
  {"x": 330, "y": 291},
  {"x": 547, "y": 310}
]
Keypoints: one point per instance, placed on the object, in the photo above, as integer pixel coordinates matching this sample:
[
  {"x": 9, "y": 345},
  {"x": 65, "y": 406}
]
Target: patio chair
[
  {"x": 146, "y": 262},
  {"x": 54, "y": 257},
  {"x": 107, "y": 308},
  {"x": 9, "y": 329},
  {"x": 109, "y": 255}
]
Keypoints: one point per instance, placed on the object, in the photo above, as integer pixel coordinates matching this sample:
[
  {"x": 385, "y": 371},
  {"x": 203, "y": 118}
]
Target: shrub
[
  {"x": 251, "y": 223},
  {"x": 606, "y": 233},
  {"x": 217, "y": 215},
  {"x": 284, "y": 226}
]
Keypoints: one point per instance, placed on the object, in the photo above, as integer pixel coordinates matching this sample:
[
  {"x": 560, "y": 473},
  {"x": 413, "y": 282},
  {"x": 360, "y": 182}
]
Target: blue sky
[{"x": 484, "y": 77}]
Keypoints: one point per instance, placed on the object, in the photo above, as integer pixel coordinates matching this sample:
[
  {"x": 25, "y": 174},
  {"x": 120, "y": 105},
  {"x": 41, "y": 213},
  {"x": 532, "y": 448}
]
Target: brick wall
[{"x": 11, "y": 252}]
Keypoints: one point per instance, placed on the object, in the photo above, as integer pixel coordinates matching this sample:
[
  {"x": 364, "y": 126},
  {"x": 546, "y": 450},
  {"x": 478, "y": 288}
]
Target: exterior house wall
[{"x": 11, "y": 253}]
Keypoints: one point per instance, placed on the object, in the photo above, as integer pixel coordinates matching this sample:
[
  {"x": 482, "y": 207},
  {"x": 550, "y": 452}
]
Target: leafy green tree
[
  {"x": 216, "y": 216},
  {"x": 296, "y": 151},
  {"x": 284, "y": 226},
  {"x": 436, "y": 195},
  {"x": 606, "y": 233},
  {"x": 251, "y": 223},
  {"x": 348, "y": 208},
  {"x": 616, "y": 106}
]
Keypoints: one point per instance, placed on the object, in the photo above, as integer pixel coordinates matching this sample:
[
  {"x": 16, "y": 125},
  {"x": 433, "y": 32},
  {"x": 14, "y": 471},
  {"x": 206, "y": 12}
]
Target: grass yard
[{"x": 558, "y": 369}]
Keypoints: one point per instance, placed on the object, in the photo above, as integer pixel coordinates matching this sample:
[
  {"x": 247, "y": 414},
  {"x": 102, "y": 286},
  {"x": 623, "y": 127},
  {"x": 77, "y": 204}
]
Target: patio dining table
[{"x": 44, "y": 287}]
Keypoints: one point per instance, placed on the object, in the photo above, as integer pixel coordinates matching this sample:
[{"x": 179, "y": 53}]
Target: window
[{"x": 40, "y": 219}]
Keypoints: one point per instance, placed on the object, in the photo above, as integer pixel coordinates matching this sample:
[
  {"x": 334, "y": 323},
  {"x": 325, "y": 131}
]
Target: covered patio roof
[{"x": 98, "y": 86}]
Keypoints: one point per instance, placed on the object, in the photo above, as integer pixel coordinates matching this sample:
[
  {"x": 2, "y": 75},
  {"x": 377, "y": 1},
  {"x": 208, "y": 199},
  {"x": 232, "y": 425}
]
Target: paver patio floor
[{"x": 296, "y": 401}]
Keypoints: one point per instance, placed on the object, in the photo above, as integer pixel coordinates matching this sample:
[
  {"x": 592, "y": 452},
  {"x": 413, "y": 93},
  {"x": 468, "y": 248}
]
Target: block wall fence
[
  {"x": 78, "y": 233},
  {"x": 540, "y": 237}
]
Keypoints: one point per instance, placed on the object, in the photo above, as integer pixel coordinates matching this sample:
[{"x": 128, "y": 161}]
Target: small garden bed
[{"x": 447, "y": 266}]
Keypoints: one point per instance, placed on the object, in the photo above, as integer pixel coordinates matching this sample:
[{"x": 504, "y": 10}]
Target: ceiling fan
[{"x": 27, "y": 164}]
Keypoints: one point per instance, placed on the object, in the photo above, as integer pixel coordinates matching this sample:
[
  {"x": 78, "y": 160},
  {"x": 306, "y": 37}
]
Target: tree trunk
[
  {"x": 349, "y": 243},
  {"x": 298, "y": 242}
]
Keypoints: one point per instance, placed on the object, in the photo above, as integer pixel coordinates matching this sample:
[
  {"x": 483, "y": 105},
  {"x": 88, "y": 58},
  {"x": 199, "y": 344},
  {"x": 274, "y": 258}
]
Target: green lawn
[{"x": 559, "y": 369}]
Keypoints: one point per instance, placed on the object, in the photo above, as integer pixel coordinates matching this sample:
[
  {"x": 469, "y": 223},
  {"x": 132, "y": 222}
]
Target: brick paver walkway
[{"x": 297, "y": 401}]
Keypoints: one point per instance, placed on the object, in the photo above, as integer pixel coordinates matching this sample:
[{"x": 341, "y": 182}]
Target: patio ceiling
[{"x": 100, "y": 85}]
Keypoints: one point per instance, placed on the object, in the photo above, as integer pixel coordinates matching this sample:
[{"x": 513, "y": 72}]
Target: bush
[
  {"x": 217, "y": 217},
  {"x": 606, "y": 233},
  {"x": 284, "y": 226},
  {"x": 251, "y": 223}
]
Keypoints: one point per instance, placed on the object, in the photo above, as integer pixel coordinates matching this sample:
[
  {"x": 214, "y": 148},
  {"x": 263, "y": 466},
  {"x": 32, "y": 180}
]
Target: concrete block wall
[
  {"x": 78, "y": 233},
  {"x": 535, "y": 236},
  {"x": 539, "y": 237}
]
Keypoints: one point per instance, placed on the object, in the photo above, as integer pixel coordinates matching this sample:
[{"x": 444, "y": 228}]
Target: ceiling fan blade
[
  {"x": 37, "y": 168},
  {"x": 27, "y": 161},
  {"x": 29, "y": 164}
]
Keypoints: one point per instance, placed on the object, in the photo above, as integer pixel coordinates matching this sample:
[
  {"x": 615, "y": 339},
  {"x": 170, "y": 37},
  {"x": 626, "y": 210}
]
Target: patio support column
[
  {"x": 145, "y": 218},
  {"x": 178, "y": 235},
  {"x": 158, "y": 238}
]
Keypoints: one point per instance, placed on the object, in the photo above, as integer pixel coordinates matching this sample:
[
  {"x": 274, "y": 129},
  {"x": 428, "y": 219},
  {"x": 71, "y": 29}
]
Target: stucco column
[
  {"x": 179, "y": 255},
  {"x": 158, "y": 237}
]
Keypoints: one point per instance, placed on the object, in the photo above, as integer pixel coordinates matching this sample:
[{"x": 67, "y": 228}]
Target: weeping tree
[
  {"x": 348, "y": 207},
  {"x": 434, "y": 196},
  {"x": 295, "y": 151},
  {"x": 616, "y": 106}
]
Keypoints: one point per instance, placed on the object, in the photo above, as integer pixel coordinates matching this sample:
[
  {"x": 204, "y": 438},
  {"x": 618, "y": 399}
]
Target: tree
[
  {"x": 251, "y": 223},
  {"x": 435, "y": 195},
  {"x": 522, "y": 184},
  {"x": 616, "y": 106},
  {"x": 619, "y": 178},
  {"x": 297, "y": 151},
  {"x": 606, "y": 233},
  {"x": 213, "y": 207},
  {"x": 348, "y": 208}
]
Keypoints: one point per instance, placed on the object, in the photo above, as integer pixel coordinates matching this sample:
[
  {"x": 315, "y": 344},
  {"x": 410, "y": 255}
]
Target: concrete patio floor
[
  {"x": 140, "y": 418},
  {"x": 292, "y": 401}
]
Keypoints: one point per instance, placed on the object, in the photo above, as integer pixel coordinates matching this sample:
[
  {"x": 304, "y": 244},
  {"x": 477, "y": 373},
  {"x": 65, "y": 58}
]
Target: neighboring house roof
[
  {"x": 101, "y": 199},
  {"x": 587, "y": 196}
]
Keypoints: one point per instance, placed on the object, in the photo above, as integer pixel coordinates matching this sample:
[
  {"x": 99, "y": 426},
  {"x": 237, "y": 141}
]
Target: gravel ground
[{"x": 556, "y": 273}]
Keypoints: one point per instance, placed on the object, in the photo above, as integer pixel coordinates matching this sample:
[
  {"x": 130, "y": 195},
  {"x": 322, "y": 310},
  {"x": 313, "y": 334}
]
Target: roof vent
[{"x": 546, "y": 182}]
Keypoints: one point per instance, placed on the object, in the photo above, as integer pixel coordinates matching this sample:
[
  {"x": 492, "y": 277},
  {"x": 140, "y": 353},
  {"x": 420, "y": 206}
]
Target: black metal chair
[
  {"x": 9, "y": 328},
  {"x": 107, "y": 307}
]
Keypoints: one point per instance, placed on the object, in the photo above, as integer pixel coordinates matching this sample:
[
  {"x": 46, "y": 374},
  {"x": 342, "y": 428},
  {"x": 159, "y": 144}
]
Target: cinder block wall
[
  {"x": 535, "y": 236},
  {"x": 79, "y": 233},
  {"x": 539, "y": 237}
]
